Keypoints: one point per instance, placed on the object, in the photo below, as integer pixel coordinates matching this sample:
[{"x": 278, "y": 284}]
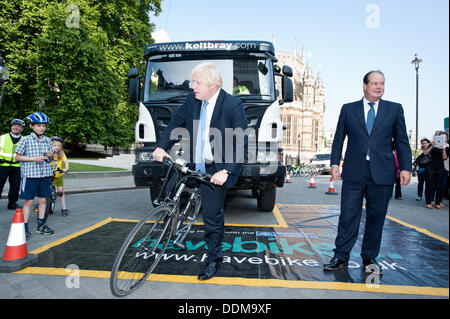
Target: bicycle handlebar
[{"x": 181, "y": 166}]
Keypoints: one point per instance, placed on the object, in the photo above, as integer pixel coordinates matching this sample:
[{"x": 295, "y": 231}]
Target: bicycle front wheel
[{"x": 141, "y": 251}]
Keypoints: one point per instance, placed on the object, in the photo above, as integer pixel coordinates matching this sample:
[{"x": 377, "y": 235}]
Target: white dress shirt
[
  {"x": 366, "y": 111},
  {"x": 367, "y": 108},
  {"x": 209, "y": 113}
]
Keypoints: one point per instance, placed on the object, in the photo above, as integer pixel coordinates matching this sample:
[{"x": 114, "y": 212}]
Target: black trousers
[
  {"x": 433, "y": 186},
  {"x": 14, "y": 182},
  {"x": 212, "y": 213},
  {"x": 377, "y": 201},
  {"x": 398, "y": 188},
  {"x": 213, "y": 217}
]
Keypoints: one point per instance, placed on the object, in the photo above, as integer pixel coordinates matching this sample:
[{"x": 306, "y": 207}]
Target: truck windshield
[{"x": 248, "y": 78}]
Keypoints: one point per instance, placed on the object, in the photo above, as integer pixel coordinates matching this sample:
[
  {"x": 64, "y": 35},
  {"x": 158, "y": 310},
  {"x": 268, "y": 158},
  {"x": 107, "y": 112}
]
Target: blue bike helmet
[
  {"x": 38, "y": 118},
  {"x": 57, "y": 138}
]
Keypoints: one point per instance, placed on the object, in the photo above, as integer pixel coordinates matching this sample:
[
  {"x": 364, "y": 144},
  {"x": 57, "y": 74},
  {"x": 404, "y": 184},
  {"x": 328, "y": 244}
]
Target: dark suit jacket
[
  {"x": 228, "y": 113},
  {"x": 389, "y": 124}
]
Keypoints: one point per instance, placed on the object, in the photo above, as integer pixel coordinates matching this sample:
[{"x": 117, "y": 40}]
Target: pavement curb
[
  {"x": 102, "y": 189},
  {"x": 80, "y": 175}
]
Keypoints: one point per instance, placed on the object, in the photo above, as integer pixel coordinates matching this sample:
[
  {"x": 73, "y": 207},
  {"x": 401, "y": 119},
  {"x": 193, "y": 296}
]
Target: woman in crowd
[
  {"x": 435, "y": 173},
  {"x": 421, "y": 170}
]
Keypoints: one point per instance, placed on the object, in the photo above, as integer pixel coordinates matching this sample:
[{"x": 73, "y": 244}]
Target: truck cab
[{"x": 249, "y": 70}]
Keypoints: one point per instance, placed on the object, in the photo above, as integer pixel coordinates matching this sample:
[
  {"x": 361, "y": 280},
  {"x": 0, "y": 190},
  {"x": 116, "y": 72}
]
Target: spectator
[
  {"x": 59, "y": 157},
  {"x": 33, "y": 152},
  {"x": 9, "y": 167},
  {"x": 444, "y": 193},
  {"x": 435, "y": 173},
  {"x": 421, "y": 170}
]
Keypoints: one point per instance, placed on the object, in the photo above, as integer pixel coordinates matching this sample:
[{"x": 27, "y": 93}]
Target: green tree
[{"x": 70, "y": 59}]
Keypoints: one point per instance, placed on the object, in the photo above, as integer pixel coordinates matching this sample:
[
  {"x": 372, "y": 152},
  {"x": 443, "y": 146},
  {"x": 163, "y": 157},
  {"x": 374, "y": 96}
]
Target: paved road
[{"x": 89, "y": 207}]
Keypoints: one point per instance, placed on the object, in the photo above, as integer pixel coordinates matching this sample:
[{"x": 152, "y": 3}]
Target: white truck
[
  {"x": 166, "y": 84},
  {"x": 322, "y": 160}
]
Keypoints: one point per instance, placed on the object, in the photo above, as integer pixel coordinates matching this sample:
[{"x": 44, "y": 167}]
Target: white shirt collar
[
  {"x": 213, "y": 99},
  {"x": 366, "y": 102},
  {"x": 367, "y": 106}
]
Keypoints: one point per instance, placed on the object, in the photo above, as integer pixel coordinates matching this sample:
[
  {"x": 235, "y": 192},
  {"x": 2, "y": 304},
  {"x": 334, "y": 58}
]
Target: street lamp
[
  {"x": 416, "y": 63},
  {"x": 4, "y": 75},
  {"x": 299, "y": 141}
]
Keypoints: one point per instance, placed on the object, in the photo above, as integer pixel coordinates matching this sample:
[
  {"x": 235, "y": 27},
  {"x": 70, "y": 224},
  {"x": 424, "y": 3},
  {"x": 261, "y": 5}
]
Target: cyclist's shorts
[
  {"x": 58, "y": 181},
  {"x": 32, "y": 187}
]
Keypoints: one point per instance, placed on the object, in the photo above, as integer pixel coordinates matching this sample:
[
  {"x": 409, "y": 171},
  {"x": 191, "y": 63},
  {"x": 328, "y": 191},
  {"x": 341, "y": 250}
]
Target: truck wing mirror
[
  {"x": 287, "y": 71},
  {"x": 262, "y": 68},
  {"x": 133, "y": 73},
  {"x": 134, "y": 85},
  {"x": 134, "y": 90},
  {"x": 287, "y": 89}
]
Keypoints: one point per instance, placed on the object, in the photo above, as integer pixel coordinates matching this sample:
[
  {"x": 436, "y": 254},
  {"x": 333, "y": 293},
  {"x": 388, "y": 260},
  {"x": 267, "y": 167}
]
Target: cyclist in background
[{"x": 59, "y": 157}]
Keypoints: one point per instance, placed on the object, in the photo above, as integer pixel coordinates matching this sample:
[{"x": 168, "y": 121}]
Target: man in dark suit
[
  {"x": 370, "y": 125},
  {"x": 208, "y": 115}
]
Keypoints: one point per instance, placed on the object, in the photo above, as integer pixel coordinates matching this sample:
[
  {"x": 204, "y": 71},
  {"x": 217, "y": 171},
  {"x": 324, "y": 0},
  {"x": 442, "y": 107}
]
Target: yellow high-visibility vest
[
  {"x": 7, "y": 148},
  {"x": 241, "y": 89}
]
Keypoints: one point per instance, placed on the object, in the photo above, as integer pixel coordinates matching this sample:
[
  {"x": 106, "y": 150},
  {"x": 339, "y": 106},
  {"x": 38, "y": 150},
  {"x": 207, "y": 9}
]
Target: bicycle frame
[{"x": 182, "y": 220}]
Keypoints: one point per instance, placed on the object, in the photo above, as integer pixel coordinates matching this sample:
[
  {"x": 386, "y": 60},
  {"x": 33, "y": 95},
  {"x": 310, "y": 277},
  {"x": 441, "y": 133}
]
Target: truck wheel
[{"x": 266, "y": 199}]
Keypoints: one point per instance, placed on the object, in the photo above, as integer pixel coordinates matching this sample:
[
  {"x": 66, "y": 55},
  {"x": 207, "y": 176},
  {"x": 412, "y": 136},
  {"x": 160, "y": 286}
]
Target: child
[
  {"x": 58, "y": 158},
  {"x": 33, "y": 153}
]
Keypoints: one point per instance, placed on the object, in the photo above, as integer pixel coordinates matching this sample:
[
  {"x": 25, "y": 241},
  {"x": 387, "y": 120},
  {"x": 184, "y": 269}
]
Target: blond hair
[{"x": 208, "y": 73}]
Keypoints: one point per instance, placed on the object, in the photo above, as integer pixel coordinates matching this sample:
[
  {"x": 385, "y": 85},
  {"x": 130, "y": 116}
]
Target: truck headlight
[{"x": 145, "y": 157}]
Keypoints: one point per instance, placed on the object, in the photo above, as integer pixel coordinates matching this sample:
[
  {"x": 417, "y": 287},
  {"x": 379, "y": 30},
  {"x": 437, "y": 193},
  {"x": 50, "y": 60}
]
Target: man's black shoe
[
  {"x": 14, "y": 206},
  {"x": 209, "y": 271},
  {"x": 335, "y": 264},
  {"x": 370, "y": 265}
]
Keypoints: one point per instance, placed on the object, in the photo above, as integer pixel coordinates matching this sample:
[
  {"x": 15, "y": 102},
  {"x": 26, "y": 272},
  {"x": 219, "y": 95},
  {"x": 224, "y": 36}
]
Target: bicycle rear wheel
[{"x": 141, "y": 251}]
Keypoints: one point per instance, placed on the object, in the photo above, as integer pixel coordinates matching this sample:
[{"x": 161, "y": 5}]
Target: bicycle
[
  {"x": 295, "y": 170},
  {"x": 169, "y": 221}
]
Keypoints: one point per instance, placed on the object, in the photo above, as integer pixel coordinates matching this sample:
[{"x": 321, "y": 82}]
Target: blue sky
[{"x": 347, "y": 38}]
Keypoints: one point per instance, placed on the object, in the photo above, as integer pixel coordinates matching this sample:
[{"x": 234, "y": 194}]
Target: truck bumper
[{"x": 253, "y": 176}]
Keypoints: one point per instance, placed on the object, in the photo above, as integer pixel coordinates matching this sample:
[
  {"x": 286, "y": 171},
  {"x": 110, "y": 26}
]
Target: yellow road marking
[
  {"x": 395, "y": 289},
  {"x": 253, "y": 282}
]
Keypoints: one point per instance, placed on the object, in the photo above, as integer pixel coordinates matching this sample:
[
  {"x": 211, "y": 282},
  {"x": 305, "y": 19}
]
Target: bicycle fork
[{"x": 184, "y": 217}]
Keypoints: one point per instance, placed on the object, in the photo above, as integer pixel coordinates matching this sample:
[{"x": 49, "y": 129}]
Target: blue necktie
[
  {"x": 370, "y": 118},
  {"x": 370, "y": 121},
  {"x": 200, "y": 145}
]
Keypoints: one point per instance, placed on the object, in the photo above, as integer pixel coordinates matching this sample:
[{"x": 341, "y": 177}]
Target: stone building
[{"x": 303, "y": 118}]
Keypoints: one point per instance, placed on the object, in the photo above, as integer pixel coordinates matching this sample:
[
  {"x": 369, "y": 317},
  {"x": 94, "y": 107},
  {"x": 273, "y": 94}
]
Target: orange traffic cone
[
  {"x": 16, "y": 247},
  {"x": 288, "y": 178},
  {"x": 15, "y": 256},
  {"x": 312, "y": 183},
  {"x": 331, "y": 188}
]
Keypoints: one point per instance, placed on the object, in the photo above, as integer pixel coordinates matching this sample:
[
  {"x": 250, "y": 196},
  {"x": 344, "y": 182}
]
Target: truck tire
[{"x": 266, "y": 199}]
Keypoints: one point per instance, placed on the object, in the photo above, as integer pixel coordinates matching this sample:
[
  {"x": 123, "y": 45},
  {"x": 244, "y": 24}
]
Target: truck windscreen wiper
[
  {"x": 178, "y": 98},
  {"x": 175, "y": 98},
  {"x": 247, "y": 97}
]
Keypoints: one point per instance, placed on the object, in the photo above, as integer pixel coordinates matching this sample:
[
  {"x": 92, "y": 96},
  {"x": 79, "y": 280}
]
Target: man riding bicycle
[{"x": 206, "y": 112}]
